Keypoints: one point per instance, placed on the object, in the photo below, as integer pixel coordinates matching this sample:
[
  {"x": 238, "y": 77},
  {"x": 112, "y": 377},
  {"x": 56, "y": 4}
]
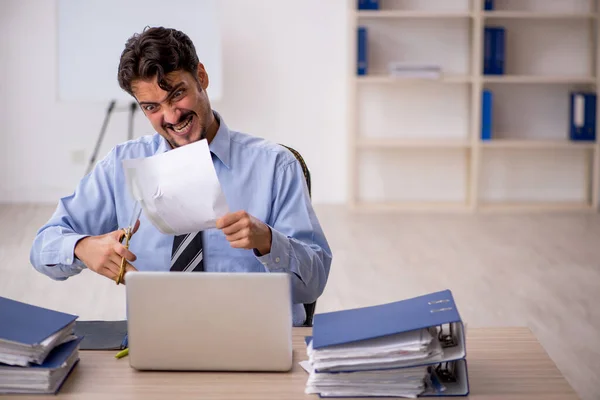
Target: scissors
[{"x": 127, "y": 232}]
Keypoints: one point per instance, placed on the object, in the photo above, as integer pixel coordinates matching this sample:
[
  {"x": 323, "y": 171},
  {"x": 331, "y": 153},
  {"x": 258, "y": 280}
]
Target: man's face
[{"x": 182, "y": 115}]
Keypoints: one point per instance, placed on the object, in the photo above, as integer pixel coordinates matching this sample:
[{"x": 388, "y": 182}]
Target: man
[{"x": 272, "y": 228}]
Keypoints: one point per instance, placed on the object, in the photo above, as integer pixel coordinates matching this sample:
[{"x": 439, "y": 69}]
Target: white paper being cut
[{"x": 178, "y": 190}]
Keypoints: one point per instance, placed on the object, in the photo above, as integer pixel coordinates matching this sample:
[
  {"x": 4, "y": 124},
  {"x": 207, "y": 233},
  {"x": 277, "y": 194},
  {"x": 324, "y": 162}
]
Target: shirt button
[
  {"x": 69, "y": 261},
  {"x": 277, "y": 259}
]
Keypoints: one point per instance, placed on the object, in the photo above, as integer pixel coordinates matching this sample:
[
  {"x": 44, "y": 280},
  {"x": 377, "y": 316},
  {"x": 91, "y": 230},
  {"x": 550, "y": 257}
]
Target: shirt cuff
[
  {"x": 68, "y": 251},
  {"x": 277, "y": 259}
]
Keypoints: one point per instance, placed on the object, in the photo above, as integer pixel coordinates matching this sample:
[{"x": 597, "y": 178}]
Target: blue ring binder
[{"x": 371, "y": 338}]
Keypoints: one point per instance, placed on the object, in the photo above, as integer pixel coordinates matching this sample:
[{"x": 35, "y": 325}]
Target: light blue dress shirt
[{"x": 257, "y": 176}]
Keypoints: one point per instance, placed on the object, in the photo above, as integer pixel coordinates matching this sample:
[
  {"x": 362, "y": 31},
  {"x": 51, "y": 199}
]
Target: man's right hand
[{"x": 102, "y": 254}]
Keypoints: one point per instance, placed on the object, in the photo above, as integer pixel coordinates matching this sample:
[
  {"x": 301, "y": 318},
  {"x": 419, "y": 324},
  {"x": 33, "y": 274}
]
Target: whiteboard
[{"x": 92, "y": 35}]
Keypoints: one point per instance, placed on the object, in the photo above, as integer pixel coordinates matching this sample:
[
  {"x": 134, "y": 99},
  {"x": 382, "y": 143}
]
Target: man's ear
[{"x": 202, "y": 76}]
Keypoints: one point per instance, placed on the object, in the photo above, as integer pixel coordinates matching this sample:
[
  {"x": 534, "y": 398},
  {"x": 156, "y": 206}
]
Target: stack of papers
[
  {"x": 408, "y": 348},
  {"x": 37, "y": 347},
  {"x": 408, "y": 382},
  {"x": 373, "y": 367},
  {"x": 400, "y": 350},
  {"x": 414, "y": 70}
]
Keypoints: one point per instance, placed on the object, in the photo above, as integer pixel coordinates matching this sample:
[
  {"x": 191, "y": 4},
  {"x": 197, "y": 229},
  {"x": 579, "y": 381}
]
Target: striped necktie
[{"x": 187, "y": 253}]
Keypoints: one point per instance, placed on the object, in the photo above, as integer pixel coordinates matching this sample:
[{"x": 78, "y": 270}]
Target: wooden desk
[{"x": 503, "y": 363}]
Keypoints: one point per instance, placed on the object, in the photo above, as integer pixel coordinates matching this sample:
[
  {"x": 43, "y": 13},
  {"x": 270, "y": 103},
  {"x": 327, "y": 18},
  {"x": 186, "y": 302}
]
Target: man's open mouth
[{"x": 183, "y": 127}]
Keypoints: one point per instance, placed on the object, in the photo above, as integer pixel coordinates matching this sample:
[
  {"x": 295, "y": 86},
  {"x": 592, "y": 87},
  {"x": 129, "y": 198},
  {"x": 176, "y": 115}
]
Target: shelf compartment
[
  {"x": 412, "y": 177},
  {"x": 547, "y": 51},
  {"x": 525, "y": 179},
  {"x": 426, "y": 111},
  {"x": 391, "y": 40},
  {"x": 531, "y": 115}
]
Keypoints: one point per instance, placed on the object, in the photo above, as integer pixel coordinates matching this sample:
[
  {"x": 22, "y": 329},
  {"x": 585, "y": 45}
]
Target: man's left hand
[{"x": 243, "y": 231}]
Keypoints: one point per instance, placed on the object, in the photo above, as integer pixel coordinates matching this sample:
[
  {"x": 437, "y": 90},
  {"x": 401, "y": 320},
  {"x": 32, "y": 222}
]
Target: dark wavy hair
[{"x": 156, "y": 52}]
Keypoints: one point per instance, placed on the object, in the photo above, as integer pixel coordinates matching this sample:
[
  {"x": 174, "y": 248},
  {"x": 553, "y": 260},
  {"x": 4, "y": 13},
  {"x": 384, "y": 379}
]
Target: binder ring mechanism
[
  {"x": 444, "y": 372},
  {"x": 446, "y": 339}
]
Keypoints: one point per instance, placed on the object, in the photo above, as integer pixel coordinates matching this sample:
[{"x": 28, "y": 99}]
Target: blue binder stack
[
  {"x": 38, "y": 349},
  {"x": 409, "y": 348},
  {"x": 582, "y": 116}
]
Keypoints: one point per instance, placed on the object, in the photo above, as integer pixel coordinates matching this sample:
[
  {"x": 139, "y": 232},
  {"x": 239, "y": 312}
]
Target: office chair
[{"x": 309, "y": 308}]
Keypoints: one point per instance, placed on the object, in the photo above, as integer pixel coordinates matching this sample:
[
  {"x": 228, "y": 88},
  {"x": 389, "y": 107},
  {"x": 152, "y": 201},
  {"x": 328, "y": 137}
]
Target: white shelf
[
  {"x": 395, "y": 79},
  {"x": 535, "y": 15},
  {"x": 536, "y": 144},
  {"x": 548, "y": 54},
  {"x": 394, "y": 143},
  {"x": 363, "y": 14},
  {"x": 556, "y": 79}
]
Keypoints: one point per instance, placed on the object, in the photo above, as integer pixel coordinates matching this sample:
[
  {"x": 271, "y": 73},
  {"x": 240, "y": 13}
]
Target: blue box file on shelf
[
  {"x": 488, "y": 51},
  {"x": 494, "y": 50},
  {"x": 487, "y": 98},
  {"x": 499, "y": 54},
  {"x": 368, "y": 4},
  {"x": 362, "y": 56},
  {"x": 582, "y": 116}
]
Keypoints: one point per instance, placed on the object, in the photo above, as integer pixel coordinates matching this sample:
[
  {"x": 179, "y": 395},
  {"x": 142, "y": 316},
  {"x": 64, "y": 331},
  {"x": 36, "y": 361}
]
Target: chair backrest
[
  {"x": 303, "y": 165},
  {"x": 309, "y": 308}
]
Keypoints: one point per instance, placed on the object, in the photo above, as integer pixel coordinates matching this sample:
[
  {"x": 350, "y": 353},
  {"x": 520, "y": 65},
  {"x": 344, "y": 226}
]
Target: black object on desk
[{"x": 102, "y": 335}]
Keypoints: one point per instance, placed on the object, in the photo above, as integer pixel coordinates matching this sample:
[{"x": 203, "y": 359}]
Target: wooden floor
[{"x": 535, "y": 270}]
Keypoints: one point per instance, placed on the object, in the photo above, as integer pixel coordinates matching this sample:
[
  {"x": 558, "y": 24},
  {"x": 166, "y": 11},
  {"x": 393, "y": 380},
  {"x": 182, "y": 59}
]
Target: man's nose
[{"x": 171, "y": 115}]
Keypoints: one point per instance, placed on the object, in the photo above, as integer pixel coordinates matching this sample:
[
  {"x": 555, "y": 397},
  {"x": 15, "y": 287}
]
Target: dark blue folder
[
  {"x": 494, "y": 50},
  {"x": 342, "y": 327},
  {"x": 499, "y": 51},
  {"x": 368, "y": 4},
  {"x": 362, "y": 58},
  {"x": 28, "y": 324},
  {"x": 488, "y": 51},
  {"x": 582, "y": 116}
]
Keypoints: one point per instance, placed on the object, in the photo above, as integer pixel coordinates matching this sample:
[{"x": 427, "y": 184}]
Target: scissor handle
[{"x": 126, "y": 236}]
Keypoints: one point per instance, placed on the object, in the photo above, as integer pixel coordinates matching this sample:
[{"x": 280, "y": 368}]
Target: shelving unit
[{"x": 415, "y": 144}]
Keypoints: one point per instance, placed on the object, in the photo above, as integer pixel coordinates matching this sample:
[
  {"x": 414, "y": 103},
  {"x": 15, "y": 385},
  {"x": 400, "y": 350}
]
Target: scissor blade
[{"x": 137, "y": 212}]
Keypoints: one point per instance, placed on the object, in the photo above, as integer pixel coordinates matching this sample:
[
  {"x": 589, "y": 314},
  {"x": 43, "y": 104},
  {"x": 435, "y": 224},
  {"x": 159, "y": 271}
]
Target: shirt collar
[{"x": 220, "y": 145}]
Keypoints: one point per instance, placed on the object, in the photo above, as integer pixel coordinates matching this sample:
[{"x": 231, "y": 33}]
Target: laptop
[{"x": 209, "y": 321}]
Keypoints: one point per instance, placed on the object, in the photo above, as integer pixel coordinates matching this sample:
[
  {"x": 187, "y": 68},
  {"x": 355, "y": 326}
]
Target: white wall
[{"x": 283, "y": 80}]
